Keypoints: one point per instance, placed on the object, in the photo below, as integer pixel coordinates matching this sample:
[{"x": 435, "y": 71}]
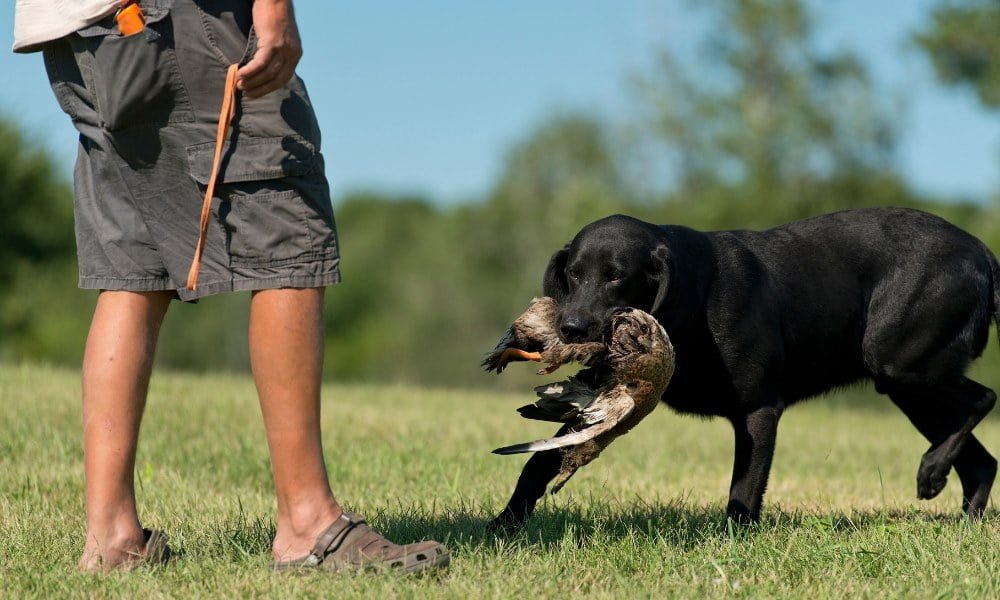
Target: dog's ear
[
  {"x": 660, "y": 257},
  {"x": 554, "y": 283}
]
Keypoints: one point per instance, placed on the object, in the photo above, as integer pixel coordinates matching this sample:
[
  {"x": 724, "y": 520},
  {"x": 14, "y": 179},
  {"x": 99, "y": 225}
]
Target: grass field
[{"x": 645, "y": 520}]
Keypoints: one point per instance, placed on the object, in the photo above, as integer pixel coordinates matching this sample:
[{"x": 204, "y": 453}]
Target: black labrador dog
[{"x": 763, "y": 319}]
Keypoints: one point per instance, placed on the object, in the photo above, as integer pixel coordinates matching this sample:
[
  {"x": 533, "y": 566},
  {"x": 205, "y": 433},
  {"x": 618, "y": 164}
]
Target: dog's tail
[{"x": 995, "y": 284}]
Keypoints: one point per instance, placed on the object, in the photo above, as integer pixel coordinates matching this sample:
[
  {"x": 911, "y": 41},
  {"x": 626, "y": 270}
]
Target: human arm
[{"x": 279, "y": 49}]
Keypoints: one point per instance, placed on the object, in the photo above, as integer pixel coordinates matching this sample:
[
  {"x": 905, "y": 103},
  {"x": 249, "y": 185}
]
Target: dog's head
[{"x": 611, "y": 264}]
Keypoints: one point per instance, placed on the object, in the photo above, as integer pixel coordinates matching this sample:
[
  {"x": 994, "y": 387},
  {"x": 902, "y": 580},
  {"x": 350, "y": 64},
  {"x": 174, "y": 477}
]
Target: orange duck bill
[{"x": 512, "y": 354}]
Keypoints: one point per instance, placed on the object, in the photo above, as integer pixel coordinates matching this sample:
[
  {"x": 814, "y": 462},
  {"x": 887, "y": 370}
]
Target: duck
[{"x": 606, "y": 401}]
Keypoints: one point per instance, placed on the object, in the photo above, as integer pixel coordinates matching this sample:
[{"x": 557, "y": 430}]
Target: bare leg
[
  {"x": 116, "y": 368},
  {"x": 286, "y": 355}
]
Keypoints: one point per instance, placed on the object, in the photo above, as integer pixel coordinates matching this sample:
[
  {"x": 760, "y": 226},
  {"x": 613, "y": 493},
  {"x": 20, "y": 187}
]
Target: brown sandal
[
  {"x": 154, "y": 552},
  {"x": 350, "y": 544}
]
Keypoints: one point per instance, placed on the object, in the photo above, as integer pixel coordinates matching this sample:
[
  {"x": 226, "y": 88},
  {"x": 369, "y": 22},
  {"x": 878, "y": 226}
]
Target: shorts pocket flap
[
  {"x": 109, "y": 27},
  {"x": 254, "y": 159}
]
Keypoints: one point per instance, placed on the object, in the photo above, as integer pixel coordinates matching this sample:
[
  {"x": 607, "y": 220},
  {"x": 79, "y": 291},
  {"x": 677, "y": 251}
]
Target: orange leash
[{"x": 225, "y": 118}]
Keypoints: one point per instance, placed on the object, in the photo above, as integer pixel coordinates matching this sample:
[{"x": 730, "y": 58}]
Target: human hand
[{"x": 279, "y": 49}]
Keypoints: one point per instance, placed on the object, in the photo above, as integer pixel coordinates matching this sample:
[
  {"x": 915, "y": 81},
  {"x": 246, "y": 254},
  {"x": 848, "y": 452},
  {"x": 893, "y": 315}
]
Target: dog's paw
[
  {"x": 740, "y": 514},
  {"x": 504, "y": 526},
  {"x": 976, "y": 490},
  {"x": 931, "y": 477}
]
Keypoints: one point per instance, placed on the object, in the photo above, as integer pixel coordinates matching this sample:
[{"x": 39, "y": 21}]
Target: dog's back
[{"x": 888, "y": 293}]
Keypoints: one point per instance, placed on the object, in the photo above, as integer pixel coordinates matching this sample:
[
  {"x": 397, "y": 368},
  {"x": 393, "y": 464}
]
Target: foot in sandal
[
  {"x": 350, "y": 544},
  {"x": 153, "y": 551}
]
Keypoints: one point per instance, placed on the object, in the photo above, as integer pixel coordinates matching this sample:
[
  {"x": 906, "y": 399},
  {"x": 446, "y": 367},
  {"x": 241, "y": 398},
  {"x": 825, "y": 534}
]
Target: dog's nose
[{"x": 574, "y": 329}]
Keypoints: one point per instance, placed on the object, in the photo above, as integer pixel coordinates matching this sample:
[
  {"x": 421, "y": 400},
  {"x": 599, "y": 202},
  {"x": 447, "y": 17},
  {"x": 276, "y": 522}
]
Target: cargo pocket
[
  {"x": 135, "y": 79},
  {"x": 275, "y": 207},
  {"x": 67, "y": 80}
]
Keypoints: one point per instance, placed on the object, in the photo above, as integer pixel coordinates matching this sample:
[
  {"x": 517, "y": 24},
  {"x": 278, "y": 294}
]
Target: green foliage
[
  {"x": 962, "y": 43},
  {"x": 766, "y": 114},
  {"x": 36, "y": 204},
  {"x": 39, "y": 309},
  {"x": 428, "y": 290},
  {"x": 761, "y": 129}
]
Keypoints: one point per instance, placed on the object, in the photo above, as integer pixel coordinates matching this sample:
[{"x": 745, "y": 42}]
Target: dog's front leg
[
  {"x": 540, "y": 469},
  {"x": 755, "y": 438}
]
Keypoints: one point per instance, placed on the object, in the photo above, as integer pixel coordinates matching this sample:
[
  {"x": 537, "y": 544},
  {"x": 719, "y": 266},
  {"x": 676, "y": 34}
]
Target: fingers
[
  {"x": 269, "y": 70},
  {"x": 257, "y": 64}
]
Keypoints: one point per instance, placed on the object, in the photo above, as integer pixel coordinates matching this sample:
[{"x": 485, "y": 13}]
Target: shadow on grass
[
  {"x": 674, "y": 523},
  {"x": 464, "y": 527}
]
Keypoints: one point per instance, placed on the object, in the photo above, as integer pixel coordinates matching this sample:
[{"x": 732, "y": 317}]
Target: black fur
[{"x": 763, "y": 319}]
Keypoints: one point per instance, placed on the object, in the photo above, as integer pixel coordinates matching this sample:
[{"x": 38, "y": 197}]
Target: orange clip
[{"x": 130, "y": 20}]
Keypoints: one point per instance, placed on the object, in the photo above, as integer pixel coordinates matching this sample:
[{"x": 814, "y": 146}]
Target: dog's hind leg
[
  {"x": 540, "y": 469},
  {"x": 972, "y": 401},
  {"x": 948, "y": 427},
  {"x": 977, "y": 469}
]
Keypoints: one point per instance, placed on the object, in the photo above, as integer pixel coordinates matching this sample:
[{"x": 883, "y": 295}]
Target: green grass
[{"x": 645, "y": 520}]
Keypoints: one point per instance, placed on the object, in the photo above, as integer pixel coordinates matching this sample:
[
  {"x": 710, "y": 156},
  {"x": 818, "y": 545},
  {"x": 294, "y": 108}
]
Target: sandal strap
[
  {"x": 349, "y": 543},
  {"x": 333, "y": 536},
  {"x": 156, "y": 550}
]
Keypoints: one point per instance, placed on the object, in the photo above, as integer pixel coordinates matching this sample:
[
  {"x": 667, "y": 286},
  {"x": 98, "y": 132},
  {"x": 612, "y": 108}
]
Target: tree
[
  {"x": 560, "y": 177},
  {"x": 39, "y": 306},
  {"x": 963, "y": 45},
  {"x": 563, "y": 175},
  {"x": 36, "y": 204},
  {"x": 766, "y": 118}
]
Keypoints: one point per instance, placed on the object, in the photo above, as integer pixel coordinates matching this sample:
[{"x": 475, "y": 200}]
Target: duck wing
[
  {"x": 493, "y": 360},
  {"x": 600, "y": 416},
  {"x": 559, "y": 402}
]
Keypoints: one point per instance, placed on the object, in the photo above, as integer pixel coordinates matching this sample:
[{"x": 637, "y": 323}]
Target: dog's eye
[
  {"x": 644, "y": 329},
  {"x": 573, "y": 274}
]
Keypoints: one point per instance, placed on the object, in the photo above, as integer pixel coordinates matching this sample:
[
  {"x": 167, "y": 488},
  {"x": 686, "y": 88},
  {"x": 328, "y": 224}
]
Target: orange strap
[{"x": 225, "y": 118}]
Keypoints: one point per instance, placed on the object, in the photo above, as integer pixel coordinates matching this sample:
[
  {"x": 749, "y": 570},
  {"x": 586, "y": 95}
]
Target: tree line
[{"x": 761, "y": 129}]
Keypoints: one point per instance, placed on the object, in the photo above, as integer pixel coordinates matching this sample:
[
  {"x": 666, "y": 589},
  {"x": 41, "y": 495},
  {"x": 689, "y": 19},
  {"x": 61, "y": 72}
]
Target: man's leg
[
  {"x": 116, "y": 368},
  {"x": 286, "y": 355}
]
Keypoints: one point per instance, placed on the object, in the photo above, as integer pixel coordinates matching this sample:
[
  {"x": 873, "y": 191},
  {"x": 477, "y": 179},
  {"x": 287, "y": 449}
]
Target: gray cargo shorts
[{"x": 147, "y": 107}]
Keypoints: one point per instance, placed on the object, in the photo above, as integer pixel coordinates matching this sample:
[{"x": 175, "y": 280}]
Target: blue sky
[{"x": 425, "y": 97}]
